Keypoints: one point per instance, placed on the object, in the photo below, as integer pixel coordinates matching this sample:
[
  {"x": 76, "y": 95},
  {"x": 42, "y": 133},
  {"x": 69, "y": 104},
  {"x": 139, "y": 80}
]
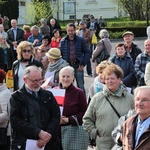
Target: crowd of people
[{"x": 115, "y": 112}]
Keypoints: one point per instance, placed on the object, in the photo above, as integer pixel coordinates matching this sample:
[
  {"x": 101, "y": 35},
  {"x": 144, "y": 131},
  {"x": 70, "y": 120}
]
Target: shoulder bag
[
  {"x": 74, "y": 137},
  {"x": 112, "y": 107},
  {"x": 104, "y": 55},
  {"x": 3, "y": 134}
]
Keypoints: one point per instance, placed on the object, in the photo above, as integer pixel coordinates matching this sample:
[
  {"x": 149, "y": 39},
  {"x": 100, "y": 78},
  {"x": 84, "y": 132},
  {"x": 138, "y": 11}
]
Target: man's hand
[
  {"x": 14, "y": 43},
  {"x": 40, "y": 143},
  {"x": 80, "y": 68},
  {"x": 45, "y": 136}
]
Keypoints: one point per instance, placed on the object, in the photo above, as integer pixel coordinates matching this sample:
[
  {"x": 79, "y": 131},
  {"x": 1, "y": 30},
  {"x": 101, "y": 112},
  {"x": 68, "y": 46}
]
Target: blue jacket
[
  {"x": 82, "y": 50},
  {"x": 31, "y": 39},
  {"x": 127, "y": 66}
]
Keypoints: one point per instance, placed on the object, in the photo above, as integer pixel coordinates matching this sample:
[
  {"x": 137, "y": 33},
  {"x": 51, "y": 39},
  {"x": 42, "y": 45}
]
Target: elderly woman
[
  {"x": 100, "y": 117},
  {"x": 74, "y": 106},
  {"x": 99, "y": 82},
  {"x": 27, "y": 31},
  {"x": 25, "y": 58},
  {"x": 2, "y": 31},
  {"x": 56, "y": 63},
  {"x": 104, "y": 43},
  {"x": 5, "y": 95},
  {"x": 6, "y": 54}
]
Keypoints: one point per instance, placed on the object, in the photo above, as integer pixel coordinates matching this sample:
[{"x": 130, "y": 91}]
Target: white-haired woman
[{"x": 104, "y": 43}]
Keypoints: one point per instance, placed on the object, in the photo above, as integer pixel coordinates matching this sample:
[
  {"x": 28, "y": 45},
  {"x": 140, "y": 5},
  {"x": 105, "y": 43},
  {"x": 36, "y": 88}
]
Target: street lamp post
[{"x": 147, "y": 17}]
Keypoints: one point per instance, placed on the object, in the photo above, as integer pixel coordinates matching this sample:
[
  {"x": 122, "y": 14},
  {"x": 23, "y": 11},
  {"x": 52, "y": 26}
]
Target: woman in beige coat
[
  {"x": 104, "y": 43},
  {"x": 4, "y": 99}
]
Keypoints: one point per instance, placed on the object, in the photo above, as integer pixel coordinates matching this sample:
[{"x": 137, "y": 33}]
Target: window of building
[
  {"x": 72, "y": 17},
  {"x": 91, "y": 0},
  {"x": 86, "y": 16}
]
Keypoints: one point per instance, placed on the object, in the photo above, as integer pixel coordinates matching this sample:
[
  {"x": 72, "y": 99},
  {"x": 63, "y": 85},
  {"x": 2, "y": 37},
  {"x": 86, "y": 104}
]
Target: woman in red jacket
[{"x": 55, "y": 41}]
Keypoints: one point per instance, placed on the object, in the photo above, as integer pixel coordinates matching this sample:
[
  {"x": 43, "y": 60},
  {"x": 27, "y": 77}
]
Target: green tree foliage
[
  {"x": 42, "y": 9},
  {"x": 135, "y": 8},
  {"x": 9, "y": 8}
]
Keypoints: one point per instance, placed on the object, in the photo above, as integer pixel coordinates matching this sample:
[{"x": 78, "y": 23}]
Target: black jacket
[
  {"x": 29, "y": 115},
  {"x": 15, "y": 69},
  {"x": 135, "y": 51},
  {"x": 9, "y": 57}
]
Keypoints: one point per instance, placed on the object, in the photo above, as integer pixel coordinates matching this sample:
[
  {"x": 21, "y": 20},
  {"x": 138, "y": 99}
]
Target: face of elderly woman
[
  {"x": 26, "y": 52},
  {"x": 66, "y": 78},
  {"x": 112, "y": 82}
]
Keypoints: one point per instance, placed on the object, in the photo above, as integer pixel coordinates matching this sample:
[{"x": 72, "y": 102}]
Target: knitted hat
[
  {"x": 2, "y": 76},
  {"x": 128, "y": 32},
  {"x": 53, "y": 53}
]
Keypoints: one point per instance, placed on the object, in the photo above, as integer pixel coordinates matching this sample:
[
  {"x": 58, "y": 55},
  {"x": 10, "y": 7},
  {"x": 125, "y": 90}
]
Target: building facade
[{"x": 71, "y": 9}]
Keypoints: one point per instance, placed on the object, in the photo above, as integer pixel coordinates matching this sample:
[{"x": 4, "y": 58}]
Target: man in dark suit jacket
[{"x": 15, "y": 36}]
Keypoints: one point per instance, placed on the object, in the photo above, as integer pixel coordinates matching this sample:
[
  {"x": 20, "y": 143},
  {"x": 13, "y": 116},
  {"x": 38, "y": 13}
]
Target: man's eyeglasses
[
  {"x": 25, "y": 51},
  {"x": 35, "y": 81},
  {"x": 142, "y": 100}
]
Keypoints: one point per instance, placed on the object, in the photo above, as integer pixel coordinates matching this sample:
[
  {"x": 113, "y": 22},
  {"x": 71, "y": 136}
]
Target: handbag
[
  {"x": 94, "y": 39},
  {"x": 103, "y": 55},
  {"x": 74, "y": 137},
  {"x": 9, "y": 79},
  {"x": 3, "y": 135}
]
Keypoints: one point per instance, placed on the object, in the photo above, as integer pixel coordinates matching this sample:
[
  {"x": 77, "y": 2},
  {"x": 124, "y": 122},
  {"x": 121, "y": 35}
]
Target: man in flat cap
[{"x": 132, "y": 49}]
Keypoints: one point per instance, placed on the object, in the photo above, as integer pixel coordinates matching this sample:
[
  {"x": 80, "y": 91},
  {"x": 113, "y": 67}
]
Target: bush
[{"x": 116, "y": 35}]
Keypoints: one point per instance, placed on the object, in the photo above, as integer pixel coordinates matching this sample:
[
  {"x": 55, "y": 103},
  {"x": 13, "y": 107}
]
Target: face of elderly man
[
  {"x": 34, "y": 32},
  {"x": 147, "y": 46},
  {"x": 14, "y": 23},
  {"x": 142, "y": 103}
]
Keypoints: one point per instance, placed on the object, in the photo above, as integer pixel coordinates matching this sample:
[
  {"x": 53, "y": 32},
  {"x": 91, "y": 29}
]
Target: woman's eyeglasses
[{"x": 26, "y": 51}]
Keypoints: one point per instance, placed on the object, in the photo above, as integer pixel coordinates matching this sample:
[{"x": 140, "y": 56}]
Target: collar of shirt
[
  {"x": 14, "y": 28},
  {"x": 29, "y": 91}
]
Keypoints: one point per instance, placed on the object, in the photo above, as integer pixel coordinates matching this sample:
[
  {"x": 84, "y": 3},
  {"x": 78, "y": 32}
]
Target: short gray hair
[
  {"x": 35, "y": 28},
  {"x": 31, "y": 68},
  {"x": 140, "y": 88},
  {"x": 103, "y": 34}
]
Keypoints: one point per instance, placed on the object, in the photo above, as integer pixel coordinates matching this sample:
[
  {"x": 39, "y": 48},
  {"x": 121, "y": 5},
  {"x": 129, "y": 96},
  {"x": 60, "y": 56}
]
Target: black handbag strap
[{"x": 112, "y": 107}]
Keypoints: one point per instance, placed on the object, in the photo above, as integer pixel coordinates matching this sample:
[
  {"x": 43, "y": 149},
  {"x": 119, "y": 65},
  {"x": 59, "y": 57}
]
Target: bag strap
[
  {"x": 113, "y": 107},
  {"x": 75, "y": 118}
]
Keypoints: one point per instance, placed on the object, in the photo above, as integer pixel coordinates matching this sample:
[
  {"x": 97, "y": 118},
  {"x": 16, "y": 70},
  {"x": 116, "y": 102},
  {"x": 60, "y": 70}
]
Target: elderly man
[
  {"x": 36, "y": 37},
  {"x": 140, "y": 63},
  {"x": 15, "y": 36},
  {"x": 76, "y": 52},
  {"x": 130, "y": 47},
  {"x": 44, "y": 28},
  {"x": 34, "y": 113},
  {"x": 136, "y": 129}
]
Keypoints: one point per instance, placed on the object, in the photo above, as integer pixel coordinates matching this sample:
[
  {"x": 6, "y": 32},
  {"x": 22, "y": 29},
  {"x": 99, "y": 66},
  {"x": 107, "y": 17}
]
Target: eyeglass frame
[
  {"x": 36, "y": 80},
  {"x": 142, "y": 101}
]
